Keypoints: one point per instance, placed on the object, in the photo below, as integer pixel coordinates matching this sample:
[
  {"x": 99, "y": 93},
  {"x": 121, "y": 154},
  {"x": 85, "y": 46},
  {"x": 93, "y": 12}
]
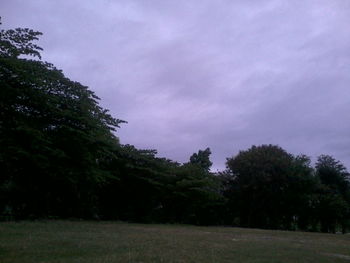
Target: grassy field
[{"x": 105, "y": 242}]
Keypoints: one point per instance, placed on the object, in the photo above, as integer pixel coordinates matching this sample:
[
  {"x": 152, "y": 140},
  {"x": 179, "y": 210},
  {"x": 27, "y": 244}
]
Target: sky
[{"x": 192, "y": 74}]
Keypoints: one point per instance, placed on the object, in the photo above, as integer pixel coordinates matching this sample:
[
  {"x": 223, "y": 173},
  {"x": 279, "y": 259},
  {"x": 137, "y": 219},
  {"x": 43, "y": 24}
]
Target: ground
[{"x": 106, "y": 242}]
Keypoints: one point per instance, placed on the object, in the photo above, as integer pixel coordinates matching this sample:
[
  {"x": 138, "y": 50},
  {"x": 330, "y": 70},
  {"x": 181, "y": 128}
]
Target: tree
[
  {"x": 202, "y": 159},
  {"x": 144, "y": 182},
  {"x": 333, "y": 194},
  {"x": 302, "y": 187},
  {"x": 193, "y": 196},
  {"x": 332, "y": 173},
  {"x": 56, "y": 141},
  {"x": 265, "y": 184},
  {"x": 19, "y": 41}
]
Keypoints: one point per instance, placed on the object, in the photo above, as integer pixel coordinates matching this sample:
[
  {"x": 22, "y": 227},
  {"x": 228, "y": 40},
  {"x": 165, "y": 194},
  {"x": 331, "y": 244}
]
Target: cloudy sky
[{"x": 223, "y": 74}]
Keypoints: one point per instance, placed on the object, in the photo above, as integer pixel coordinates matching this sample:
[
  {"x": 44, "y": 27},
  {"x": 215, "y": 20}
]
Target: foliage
[
  {"x": 16, "y": 42},
  {"x": 54, "y": 137},
  {"x": 333, "y": 194},
  {"x": 202, "y": 159},
  {"x": 270, "y": 187}
]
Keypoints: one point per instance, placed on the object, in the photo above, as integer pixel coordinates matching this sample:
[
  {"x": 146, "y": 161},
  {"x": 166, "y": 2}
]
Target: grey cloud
[{"x": 191, "y": 74}]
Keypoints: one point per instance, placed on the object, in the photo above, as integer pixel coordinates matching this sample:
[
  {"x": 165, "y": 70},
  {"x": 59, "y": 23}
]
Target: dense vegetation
[{"x": 60, "y": 158}]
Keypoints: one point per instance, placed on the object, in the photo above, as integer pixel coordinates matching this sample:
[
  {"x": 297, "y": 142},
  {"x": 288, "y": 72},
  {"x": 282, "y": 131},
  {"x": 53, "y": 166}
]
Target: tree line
[{"x": 60, "y": 158}]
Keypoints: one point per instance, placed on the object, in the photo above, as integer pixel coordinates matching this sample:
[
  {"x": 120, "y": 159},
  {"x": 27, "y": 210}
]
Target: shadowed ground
[{"x": 105, "y": 242}]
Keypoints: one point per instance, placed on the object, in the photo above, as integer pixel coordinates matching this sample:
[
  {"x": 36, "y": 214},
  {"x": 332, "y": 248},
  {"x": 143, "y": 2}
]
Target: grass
[{"x": 105, "y": 242}]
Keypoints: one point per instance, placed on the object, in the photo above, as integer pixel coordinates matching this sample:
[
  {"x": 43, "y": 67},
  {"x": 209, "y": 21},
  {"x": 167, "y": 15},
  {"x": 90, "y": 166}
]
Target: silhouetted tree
[
  {"x": 55, "y": 139},
  {"x": 266, "y": 181},
  {"x": 333, "y": 194},
  {"x": 202, "y": 159}
]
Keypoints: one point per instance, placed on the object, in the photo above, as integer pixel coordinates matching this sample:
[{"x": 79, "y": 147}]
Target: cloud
[{"x": 188, "y": 75}]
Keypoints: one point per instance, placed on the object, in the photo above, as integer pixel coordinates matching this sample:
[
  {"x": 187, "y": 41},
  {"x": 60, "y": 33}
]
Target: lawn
[{"x": 105, "y": 242}]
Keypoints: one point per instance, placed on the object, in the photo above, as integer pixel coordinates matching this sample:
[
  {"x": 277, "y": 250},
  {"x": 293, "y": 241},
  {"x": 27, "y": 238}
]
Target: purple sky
[{"x": 188, "y": 75}]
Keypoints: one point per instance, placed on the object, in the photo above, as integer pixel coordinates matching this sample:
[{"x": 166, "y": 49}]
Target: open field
[{"x": 105, "y": 242}]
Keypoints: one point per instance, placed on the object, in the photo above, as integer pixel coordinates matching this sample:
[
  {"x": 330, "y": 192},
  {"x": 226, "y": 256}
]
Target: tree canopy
[
  {"x": 53, "y": 132},
  {"x": 202, "y": 159}
]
